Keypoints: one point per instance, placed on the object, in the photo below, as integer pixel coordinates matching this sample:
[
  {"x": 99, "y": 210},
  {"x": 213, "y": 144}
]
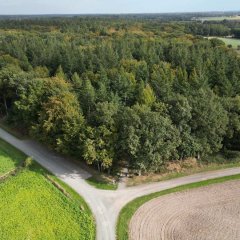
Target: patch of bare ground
[
  {"x": 207, "y": 213},
  {"x": 182, "y": 168}
]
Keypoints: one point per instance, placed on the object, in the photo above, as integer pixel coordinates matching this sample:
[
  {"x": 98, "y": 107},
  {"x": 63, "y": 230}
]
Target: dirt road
[{"x": 105, "y": 205}]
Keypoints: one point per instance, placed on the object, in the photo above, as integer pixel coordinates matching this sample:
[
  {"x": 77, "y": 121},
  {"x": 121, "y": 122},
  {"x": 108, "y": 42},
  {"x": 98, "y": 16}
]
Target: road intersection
[{"x": 105, "y": 205}]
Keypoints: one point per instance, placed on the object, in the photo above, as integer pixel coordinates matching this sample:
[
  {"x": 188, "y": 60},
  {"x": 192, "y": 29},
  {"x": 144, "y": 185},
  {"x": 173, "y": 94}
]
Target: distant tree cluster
[
  {"x": 220, "y": 29},
  {"x": 208, "y": 29},
  {"x": 112, "y": 91}
]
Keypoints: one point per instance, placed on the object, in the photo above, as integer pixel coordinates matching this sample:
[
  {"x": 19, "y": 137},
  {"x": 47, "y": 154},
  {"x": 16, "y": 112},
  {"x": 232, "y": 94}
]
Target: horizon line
[{"x": 130, "y": 13}]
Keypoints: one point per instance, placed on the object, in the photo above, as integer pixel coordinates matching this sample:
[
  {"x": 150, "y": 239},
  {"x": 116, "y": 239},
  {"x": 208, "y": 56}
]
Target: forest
[{"x": 122, "y": 90}]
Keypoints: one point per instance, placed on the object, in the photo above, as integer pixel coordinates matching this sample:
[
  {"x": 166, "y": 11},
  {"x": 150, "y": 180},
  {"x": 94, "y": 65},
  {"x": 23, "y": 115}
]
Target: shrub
[
  {"x": 28, "y": 162},
  {"x": 189, "y": 163},
  {"x": 218, "y": 159},
  {"x": 174, "y": 167},
  {"x": 232, "y": 154}
]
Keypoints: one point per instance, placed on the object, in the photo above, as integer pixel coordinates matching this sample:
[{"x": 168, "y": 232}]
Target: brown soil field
[{"x": 206, "y": 213}]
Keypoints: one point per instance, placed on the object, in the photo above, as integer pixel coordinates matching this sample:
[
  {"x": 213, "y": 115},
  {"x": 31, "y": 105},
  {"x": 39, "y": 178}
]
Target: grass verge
[
  {"x": 10, "y": 157},
  {"x": 101, "y": 184},
  {"x": 128, "y": 211},
  {"x": 74, "y": 196},
  {"x": 214, "y": 163}
]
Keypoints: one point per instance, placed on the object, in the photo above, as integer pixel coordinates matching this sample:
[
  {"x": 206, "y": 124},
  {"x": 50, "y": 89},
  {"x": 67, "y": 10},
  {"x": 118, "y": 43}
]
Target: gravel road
[{"x": 105, "y": 205}]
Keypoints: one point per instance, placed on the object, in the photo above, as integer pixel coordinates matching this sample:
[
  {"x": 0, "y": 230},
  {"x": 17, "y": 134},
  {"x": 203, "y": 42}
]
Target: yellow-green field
[
  {"x": 221, "y": 18},
  {"x": 32, "y": 208}
]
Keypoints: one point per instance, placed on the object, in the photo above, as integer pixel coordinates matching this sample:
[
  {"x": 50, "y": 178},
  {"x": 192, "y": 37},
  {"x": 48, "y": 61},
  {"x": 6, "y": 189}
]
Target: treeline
[
  {"x": 110, "y": 95},
  {"x": 221, "y": 29}
]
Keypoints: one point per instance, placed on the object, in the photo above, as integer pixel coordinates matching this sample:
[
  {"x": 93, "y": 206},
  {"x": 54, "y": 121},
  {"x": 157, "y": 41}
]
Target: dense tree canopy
[{"x": 110, "y": 90}]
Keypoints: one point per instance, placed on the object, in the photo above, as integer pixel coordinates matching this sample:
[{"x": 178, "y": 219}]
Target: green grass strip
[
  {"x": 101, "y": 184},
  {"x": 10, "y": 157}
]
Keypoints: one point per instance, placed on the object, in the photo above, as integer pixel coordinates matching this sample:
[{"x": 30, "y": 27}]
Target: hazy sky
[{"x": 114, "y": 6}]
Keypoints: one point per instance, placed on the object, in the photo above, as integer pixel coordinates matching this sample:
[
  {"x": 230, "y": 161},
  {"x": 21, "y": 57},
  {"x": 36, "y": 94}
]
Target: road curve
[{"x": 105, "y": 205}]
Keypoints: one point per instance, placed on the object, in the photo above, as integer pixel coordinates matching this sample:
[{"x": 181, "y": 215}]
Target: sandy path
[{"x": 207, "y": 213}]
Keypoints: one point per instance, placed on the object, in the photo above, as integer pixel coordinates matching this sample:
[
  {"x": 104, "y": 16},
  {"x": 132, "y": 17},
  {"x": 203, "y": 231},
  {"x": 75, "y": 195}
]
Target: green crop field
[
  {"x": 32, "y": 208},
  {"x": 229, "y": 41},
  {"x": 220, "y": 18}
]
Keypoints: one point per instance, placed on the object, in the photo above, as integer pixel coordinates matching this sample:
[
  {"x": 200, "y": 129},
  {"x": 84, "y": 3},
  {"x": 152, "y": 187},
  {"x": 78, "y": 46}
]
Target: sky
[{"x": 114, "y": 6}]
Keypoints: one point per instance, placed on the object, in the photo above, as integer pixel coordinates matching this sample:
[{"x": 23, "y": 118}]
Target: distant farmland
[
  {"x": 221, "y": 18},
  {"x": 229, "y": 41}
]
